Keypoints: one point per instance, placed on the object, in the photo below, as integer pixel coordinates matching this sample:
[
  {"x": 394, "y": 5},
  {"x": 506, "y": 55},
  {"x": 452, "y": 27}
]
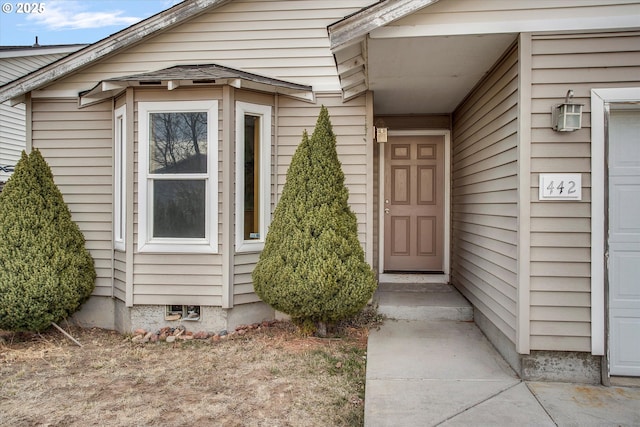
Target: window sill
[
  {"x": 248, "y": 247},
  {"x": 178, "y": 248}
]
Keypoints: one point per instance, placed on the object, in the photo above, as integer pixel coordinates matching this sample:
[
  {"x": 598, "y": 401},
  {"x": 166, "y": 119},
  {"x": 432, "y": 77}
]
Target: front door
[
  {"x": 624, "y": 242},
  {"x": 414, "y": 203}
]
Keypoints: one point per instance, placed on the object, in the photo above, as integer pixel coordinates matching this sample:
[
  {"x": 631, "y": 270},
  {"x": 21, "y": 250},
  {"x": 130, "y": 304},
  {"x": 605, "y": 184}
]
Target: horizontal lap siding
[
  {"x": 348, "y": 121},
  {"x": 283, "y": 39},
  {"x": 12, "y": 118},
  {"x": 485, "y": 195},
  {"x": 119, "y": 275},
  {"x": 77, "y": 144},
  {"x": 561, "y": 231},
  {"x": 193, "y": 279},
  {"x": 12, "y": 135},
  {"x": 243, "y": 285}
]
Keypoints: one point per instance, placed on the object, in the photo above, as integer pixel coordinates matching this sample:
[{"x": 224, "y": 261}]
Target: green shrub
[
  {"x": 46, "y": 272},
  {"x": 312, "y": 266}
]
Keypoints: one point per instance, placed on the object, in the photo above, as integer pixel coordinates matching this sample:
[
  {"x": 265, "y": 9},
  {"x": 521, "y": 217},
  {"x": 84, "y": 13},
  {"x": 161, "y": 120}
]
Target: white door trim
[
  {"x": 600, "y": 98},
  {"x": 447, "y": 195}
]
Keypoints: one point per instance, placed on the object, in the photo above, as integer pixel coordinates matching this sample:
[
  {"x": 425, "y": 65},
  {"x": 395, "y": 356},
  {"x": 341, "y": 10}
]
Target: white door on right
[{"x": 624, "y": 242}]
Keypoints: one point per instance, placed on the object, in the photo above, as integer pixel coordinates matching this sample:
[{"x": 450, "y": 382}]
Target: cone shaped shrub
[
  {"x": 312, "y": 266},
  {"x": 46, "y": 272}
]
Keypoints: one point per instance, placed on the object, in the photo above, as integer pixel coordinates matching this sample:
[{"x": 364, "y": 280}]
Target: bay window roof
[{"x": 195, "y": 75}]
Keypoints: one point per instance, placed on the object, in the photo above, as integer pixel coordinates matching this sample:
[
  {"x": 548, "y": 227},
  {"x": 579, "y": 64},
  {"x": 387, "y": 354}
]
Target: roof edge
[
  {"x": 24, "y": 51},
  {"x": 107, "y": 46},
  {"x": 352, "y": 28}
]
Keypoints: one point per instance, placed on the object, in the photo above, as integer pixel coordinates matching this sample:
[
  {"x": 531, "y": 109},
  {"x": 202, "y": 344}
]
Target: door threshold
[{"x": 413, "y": 278}]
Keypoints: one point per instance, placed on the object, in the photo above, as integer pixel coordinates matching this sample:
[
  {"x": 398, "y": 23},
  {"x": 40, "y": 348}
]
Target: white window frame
[
  {"x": 146, "y": 241},
  {"x": 264, "y": 112},
  {"x": 120, "y": 178}
]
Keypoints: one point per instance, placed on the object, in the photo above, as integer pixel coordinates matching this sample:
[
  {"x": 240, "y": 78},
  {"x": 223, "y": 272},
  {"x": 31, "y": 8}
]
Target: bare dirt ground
[{"x": 271, "y": 376}]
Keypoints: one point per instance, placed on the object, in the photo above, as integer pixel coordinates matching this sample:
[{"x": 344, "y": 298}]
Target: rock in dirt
[
  {"x": 171, "y": 338},
  {"x": 201, "y": 335}
]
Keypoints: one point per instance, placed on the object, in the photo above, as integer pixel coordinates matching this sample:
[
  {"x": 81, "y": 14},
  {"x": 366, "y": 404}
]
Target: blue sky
[{"x": 71, "y": 21}]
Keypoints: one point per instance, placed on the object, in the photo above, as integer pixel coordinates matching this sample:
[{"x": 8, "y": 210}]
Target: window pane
[
  {"x": 179, "y": 208},
  {"x": 178, "y": 143},
  {"x": 251, "y": 177}
]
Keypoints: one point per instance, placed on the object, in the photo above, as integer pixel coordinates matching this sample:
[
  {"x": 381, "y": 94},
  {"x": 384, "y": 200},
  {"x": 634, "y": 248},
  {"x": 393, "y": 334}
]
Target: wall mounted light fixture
[
  {"x": 380, "y": 131},
  {"x": 566, "y": 117},
  {"x": 381, "y": 134}
]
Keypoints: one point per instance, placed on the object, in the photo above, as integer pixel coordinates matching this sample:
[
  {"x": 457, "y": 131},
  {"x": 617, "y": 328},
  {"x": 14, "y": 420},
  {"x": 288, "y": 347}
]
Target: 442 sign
[{"x": 560, "y": 186}]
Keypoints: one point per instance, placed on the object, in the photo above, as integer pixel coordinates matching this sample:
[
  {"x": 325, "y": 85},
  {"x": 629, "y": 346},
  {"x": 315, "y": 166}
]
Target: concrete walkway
[{"x": 429, "y": 370}]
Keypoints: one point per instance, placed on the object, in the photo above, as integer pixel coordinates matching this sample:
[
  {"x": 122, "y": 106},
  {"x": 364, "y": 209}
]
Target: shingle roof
[
  {"x": 188, "y": 75},
  {"x": 204, "y": 73}
]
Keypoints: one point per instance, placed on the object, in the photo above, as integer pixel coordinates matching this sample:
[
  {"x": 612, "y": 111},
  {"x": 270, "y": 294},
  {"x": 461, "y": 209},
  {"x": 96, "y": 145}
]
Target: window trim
[
  {"x": 264, "y": 112},
  {"x": 120, "y": 178},
  {"x": 146, "y": 241}
]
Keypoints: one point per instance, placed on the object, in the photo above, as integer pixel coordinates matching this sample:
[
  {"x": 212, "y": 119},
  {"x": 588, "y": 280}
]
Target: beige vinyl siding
[
  {"x": 77, "y": 144},
  {"x": 243, "y": 285},
  {"x": 12, "y": 135},
  {"x": 560, "y": 231},
  {"x": 12, "y": 68},
  {"x": 171, "y": 278},
  {"x": 119, "y": 275},
  {"x": 12, "y": 118},
  {"x": 283, "y": 39},
  {"x": 485, "y": 196},
  {"x": 349, "y": 125}
]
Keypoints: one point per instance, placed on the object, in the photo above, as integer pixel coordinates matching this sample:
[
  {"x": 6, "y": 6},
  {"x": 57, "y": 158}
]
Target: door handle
[{"x": 387, "y": 211}]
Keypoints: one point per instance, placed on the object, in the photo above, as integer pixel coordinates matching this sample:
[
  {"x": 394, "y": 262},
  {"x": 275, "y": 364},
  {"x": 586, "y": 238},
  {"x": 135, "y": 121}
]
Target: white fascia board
[
  {"x": 508, "y": 27},
  {"x": 354, "y": 28}
]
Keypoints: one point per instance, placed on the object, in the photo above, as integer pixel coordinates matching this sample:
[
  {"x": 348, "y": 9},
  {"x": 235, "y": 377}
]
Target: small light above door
[{"x": 566, "y": 117}]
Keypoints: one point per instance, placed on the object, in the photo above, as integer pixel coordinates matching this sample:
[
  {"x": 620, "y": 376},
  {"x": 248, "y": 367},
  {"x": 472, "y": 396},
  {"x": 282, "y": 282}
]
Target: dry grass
[{"x": 268, "y": 377}]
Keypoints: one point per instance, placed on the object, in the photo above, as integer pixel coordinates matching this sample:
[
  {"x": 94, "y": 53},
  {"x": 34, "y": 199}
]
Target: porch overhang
[
  {"x": 421, "y": 57},
  {"x": 348, "y": 40},
  {"x": 195, "y": 75},
  {"x": 409, "y": 73}
]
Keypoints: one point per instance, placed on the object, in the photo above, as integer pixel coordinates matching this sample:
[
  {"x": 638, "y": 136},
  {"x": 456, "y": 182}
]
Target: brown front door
[{"x": 414, "y": 203}]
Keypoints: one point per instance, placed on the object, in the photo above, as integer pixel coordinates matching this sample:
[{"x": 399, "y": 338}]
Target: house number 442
[{"x": 555, "y": 186}]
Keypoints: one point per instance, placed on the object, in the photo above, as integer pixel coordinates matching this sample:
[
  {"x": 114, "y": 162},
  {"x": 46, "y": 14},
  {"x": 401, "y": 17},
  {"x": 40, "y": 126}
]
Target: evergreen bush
[
  {"x": 46, "y": 272},
  {"x": 312, "y": 266}
]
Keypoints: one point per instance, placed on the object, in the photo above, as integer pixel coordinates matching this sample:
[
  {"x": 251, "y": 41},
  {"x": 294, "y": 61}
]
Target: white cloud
[{"x": 74, "y": 15}]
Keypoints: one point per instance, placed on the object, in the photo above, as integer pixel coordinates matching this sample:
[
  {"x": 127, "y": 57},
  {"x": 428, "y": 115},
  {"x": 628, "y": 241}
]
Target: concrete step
[{"x": 422, "y": 301}]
